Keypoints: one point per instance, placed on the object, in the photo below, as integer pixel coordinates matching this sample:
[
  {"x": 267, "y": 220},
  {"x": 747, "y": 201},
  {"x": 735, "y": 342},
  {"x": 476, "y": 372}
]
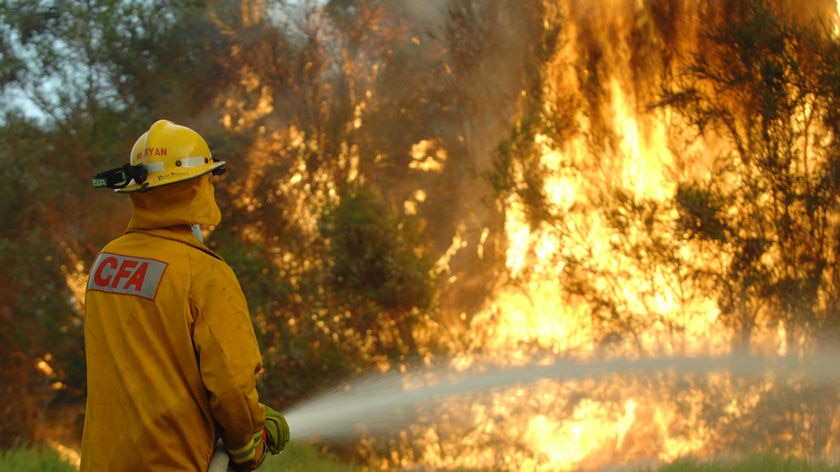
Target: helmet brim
[{"x": 157, "y": 180}]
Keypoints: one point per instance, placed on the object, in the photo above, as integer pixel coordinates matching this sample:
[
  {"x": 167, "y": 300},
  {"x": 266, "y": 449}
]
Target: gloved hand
[{"x": 276, "y": 430}]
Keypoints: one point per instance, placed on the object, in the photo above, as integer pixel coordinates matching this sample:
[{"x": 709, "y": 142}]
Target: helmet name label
[
  {"x": 151, "y": 151},
  {"x": 126, "y": 275}
]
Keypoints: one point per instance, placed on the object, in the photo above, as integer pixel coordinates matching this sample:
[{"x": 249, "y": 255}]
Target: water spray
[
  {"x": 377, "y": 404},
  {"x": 374, "y": 403}
]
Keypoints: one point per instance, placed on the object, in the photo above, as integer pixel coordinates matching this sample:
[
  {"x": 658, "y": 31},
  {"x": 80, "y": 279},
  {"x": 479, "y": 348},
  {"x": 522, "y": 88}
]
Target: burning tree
[{"x": 768, "y": 202}]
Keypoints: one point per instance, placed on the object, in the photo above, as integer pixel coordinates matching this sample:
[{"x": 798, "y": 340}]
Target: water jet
[{"x": 378, "y": 403}]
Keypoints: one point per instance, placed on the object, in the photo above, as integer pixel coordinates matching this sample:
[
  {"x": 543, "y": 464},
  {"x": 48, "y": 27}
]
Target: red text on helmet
[{"x": 151, "y": 151}]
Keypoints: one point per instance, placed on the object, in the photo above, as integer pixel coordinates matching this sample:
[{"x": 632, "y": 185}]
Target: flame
[
  {"x": 636, "y": 421},
  {"x": 586, "y": 424}
]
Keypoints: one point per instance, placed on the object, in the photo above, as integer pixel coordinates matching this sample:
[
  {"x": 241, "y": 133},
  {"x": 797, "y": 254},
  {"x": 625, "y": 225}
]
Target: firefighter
[{"x": 172, "y": 358}]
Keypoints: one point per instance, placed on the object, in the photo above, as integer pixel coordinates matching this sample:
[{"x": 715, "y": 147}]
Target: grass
[
  {"x": 751, "y": 463},
  {"x": 34, "y": 460},
  {"x": 296, "y": 457},
  {"x": 302, "y": 457}
]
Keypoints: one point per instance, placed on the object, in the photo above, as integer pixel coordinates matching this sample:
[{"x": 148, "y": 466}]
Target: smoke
[{"x": 428, "y": 12}]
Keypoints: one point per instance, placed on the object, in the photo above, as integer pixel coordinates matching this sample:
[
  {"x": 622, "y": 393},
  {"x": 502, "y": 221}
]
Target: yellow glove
[{"x": 276, "y": 430}]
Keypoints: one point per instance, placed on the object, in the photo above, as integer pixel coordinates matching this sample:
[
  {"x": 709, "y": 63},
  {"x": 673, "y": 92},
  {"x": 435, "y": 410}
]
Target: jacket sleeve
[{"x": 229, "y": 359}]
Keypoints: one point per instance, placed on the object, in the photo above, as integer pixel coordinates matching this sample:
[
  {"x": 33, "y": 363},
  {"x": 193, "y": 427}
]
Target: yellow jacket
[{"x": 172, "y": 358}]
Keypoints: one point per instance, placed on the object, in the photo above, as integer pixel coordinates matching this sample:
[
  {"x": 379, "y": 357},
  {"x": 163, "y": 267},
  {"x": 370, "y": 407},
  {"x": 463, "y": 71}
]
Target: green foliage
[
  {"x": 377, "y": 272},
  {"x": 354, "y": 302},
  {"x": 375, "y": 254},
  {"x": 34, "y": 460}
]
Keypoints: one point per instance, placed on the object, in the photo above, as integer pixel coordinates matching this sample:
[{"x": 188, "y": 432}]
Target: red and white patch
[{"x": 126, "y": 275}]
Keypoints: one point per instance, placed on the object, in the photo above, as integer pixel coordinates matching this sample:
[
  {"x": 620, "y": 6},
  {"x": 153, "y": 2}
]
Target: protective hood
[{"x": 183, "y": 203}]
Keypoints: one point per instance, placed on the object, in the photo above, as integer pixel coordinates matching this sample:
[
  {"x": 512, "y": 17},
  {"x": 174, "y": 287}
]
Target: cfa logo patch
[{"x": 126, "y": 275}]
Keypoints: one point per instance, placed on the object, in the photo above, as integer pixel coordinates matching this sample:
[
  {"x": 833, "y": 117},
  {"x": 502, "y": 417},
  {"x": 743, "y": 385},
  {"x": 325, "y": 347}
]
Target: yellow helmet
[{"x": 166, "y": 154}]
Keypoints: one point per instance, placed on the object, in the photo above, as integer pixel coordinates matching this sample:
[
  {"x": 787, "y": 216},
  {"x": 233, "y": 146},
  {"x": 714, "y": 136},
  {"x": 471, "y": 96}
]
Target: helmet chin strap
[{"x": 196, "y": 230}]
